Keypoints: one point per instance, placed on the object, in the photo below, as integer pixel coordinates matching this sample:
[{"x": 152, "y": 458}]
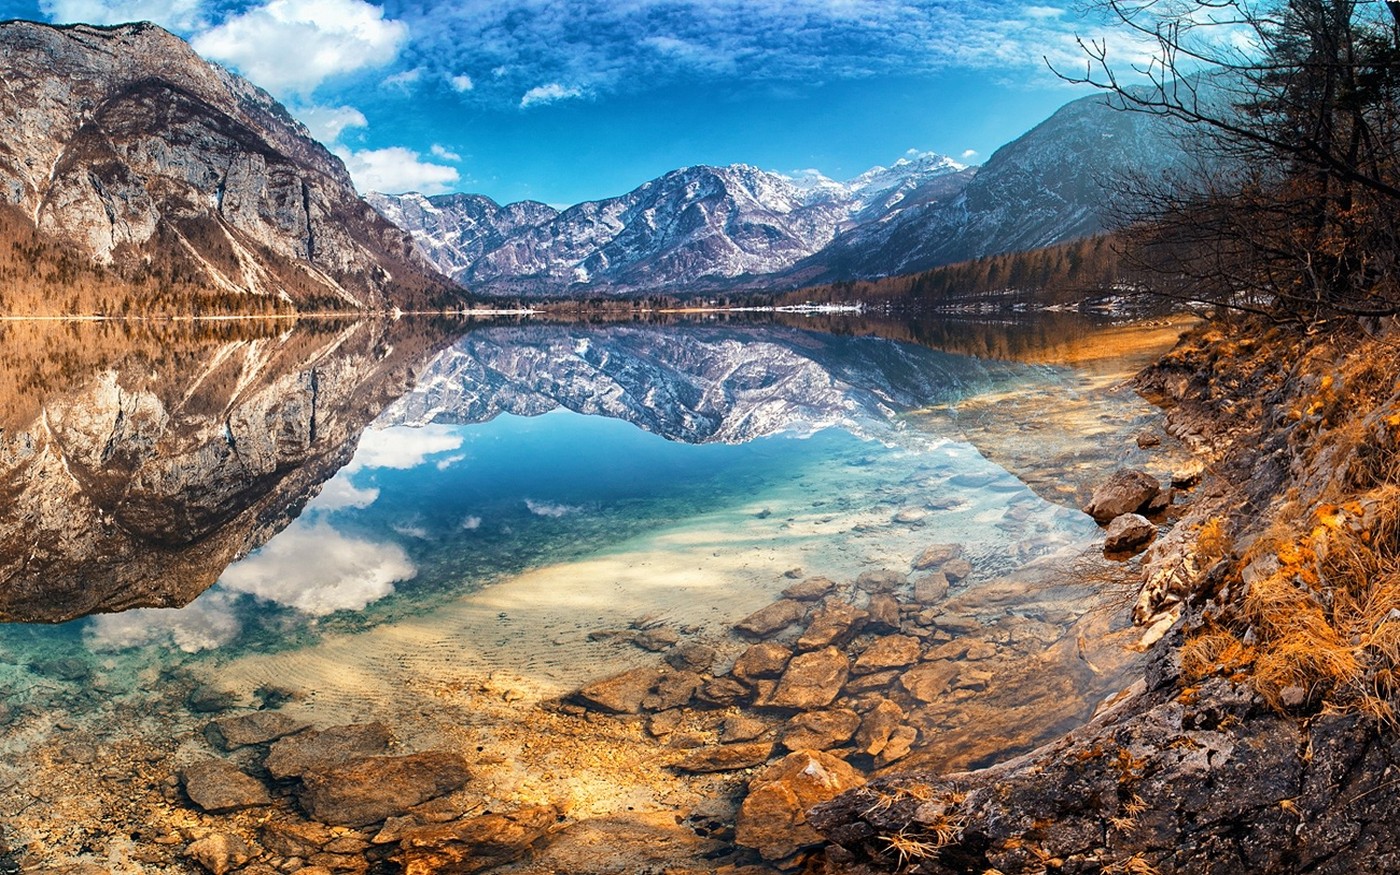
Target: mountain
[
  {"x": 121, "y": 144},
  {"x": 695, "y": 228},
  {"x": 725, "y": 228}
]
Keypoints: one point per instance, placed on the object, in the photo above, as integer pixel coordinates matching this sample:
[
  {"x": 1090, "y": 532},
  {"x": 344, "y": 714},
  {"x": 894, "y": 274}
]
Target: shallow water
[{"x": 536, "y": 492}]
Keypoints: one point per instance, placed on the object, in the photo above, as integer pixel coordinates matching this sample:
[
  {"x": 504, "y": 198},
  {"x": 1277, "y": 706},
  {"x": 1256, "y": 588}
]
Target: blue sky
[{"x": 571, "y": 100}]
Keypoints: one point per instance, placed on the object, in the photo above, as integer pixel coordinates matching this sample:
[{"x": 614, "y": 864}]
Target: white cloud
[
  {"x": 549, "y": 509},
  {"x": 178, "y": 15},
  {"x": 208, "y": 622},
  {"x": 403, "y": 81},
  {"x": 317, "y": 570},
  {"x": 396, "y": 169},
  {"x": 402, "y": 447},
  {"x": 462, "y": 82},
  {"x": 292, "y": 46},
  {"x": 326, "y": 123},
  {"x": 969, "y": 153},
  {"x": 340, "y": 493},
  {"x": 550, "y": 93},
  {"x": 1043, "y": 12},
  {"x": 444, "y": 153}
]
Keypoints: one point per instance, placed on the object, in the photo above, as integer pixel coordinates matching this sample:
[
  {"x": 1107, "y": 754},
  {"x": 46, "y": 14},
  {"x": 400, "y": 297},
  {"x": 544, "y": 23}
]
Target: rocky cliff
[{"x": 122, "y": 144}]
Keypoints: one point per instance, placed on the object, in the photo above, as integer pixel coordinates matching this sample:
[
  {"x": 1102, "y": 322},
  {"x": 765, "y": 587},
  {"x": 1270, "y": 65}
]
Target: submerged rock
[
  {"x": 812, "y": 680},
  {"x": 773, "y": 818},
  {"x": 727, "y": 758},
  {"x": 624, "y": 844},
  {"x": 622, "y": 693},
  {"x": 219, "y": 853},
  {"x": 773, "y": 618},
  {"x": 820, "y": 730},
  {"x": 320, "y": 750},
  {"x": 935, "y": 555},
  {"x": 767, "y": 659},
  {"x": 1127, "y": 491},
  {"x": 1128, "y": 532},
  {"x": 218, "y": 787},
  {"x": 475, "y": 844},
  {"x": 811, "y": 589},
  {"x": 892, "y": 651},
  {"x": 371, "y": 789},
  {"x": 259, "y": 727},
  {"x": 835, "y": 622}
]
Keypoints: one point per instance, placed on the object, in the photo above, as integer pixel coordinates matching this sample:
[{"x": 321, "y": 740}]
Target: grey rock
[
  {"x": 1128, "y": 532},
  {"x": 258, "y": 727},
  {"x": 1126, "y": 491}
]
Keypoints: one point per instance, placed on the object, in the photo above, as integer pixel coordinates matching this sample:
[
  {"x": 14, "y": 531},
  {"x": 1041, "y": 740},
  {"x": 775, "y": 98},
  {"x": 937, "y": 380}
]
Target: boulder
[
  {"x": 884, "y": 580},
  {"x": 219, "y": 853},
  {"x": 672, "y": 690},
  {"x": 884, "y": 613},
  {"x": 692, "y": 657},
  {"x": 820, "y": 730},
  {"x": 320, "y": 750},
  {"x": 259, "y": 727},
  {"x": 740, "y": 727},
  {"x": 218, "y": 787},
  {"x": 726, "y": 758},
  {"x": 812, "y": 680},
  {"x": 1147, "y": 439},
  {"x": 928, "y": 681},
  {"x": 773, "y": 618},
  {"x": 931, "y": 588},
  {"x": 208, "y": 699},
  {"x": 892, "y": 651},
  {"x": 956, "y": 569},
  {"x": 622, "y": 693},
  {"x": 835, "y": 622},
  {"x": 475, "y": 844},
  {"x": 1188, "y": 475},
  {"x": 656, "y": 640},
  {"x": 370, "y": 789},
  {"x": 1127, "y": 491},
  {"x": 910, "y": 515},
  {"x": 877, "y": 726},
  {"x": 811, "y": 589},
  {"x": 773, "y": 818},
  {"x": 935, "y": 555},
  {"x": 625, "y": 844},
  {"x": 1128, "y": 532},
  {"x": 722, "y": 692},
  {"x": 767, "y": 659}
]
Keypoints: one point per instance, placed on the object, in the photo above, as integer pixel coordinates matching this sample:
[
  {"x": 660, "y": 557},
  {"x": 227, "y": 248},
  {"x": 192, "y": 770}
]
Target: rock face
[
  {"x": 126, "y": 146},
  {"x": 371, "y": 789}
]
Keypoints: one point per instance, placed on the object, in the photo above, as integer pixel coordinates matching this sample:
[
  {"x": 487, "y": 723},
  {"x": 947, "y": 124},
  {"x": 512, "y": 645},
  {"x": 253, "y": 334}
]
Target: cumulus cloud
[
  {"x": 550, "y": 93},
  {"x": 317, "y": 570},
  {"x": 446, "y": 154},
  {"x": 404, "y": 80},
  {"x": 340, "y": 494},
  {"x": 968, "y": 154},
  {"x": 549, "y": 508},
  {"x": 176, "y": 15},
  {"x": 396, "y": 169},
  {"x": 292, "y": 46},
  {"x": 402, "y": 447},
  {"x": 208, "y": 622},
  {"x": 327, "y": 123},
  {"x": 461, "y": 82}
]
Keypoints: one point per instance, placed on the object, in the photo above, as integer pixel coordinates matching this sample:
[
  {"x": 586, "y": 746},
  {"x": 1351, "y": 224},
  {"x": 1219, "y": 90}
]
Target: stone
[
  {"x": 892, "y": 651},
  {"x": 1128, "y": 533},
  {"x": 621, "y": 693},
  {"x": 1188, "y": 475},
  {"x": 812, "y": 680},
  {"x": 722, "y": 692},
  {"x": 625, "y": 844},
  {"x": 931, "y": 588},
  {"x": 209, "y": 699},
  {"x": 726, "y": 758},
  {"x": 811, "y": 589},
  {"x": 935, "y": 555},
  {"x": 957, "y": 625},
  {"x": 957, "y": 569},
  {"x": 767, "y": 659},
  {"x": 877, "y": 682},
  {"x": 218, "y": 787},
  {"x": 877, "y": 726},
  {"x": 475, "y": 844},
  {"x": 370, "y": 789},
  {"x": 1158, "y": 505},
  {"x": 928, "y": 681},
  {"x": 884, "y": 613},
  {"x": 692, "y": 657},
  {"x": 901, "y": 741},
  {"x": 835, "y": 622},
  {"x": 320, "y": 750},
  {"x": 656, "y": 640},
  {"x": 773, "y": 618},
  {"x": 1147, "y": 439},
  {"x": 259, "y": 727},
  {"x": 820, "y": 730},
  {"x": 296, "y": 838},
  {"x": 1126, "y": 491},
  {"x": 219, "y": 853},
  {"x": 740, "y": 727},
  {"x": 975, "y": 679},
  {"x": 910, "y": 515},
  {"x": 884, "y": 580},
  {"x": 673, "y": 690},
  {"x": 773, "y": 817}
]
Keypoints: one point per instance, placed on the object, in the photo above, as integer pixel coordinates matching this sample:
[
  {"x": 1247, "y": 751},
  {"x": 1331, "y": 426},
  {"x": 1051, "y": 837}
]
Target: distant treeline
[{"x": 1062, "y": 274}]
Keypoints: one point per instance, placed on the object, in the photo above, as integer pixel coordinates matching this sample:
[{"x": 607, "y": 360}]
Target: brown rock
[
  {"x": 810, "y": 589},
  {"x": 935, "y": 555},
  {"x": 673, "y": 690},
  {"x": 722, "y": 692},
  {"x": 773, "y": 818},
  {"x": 624, "y": 844},
  {"x": 812, "y": 680},
  {"x": 219, "y": 853},
  {"x": 319, "y": 750},
  {"x": 956, "y": 569},
  {"x": 767, "y": 659},
  {"x": 218, "y": 786},
  {"x": 475, "y": 844},
  {"x": 371, "y": 789},
  {"x": 835, "y": 622},
  {"x": 620, "y": 694},
  {"x": 884, "y": 613},
  {"x": 726, "y": 758},
  {"x": 1127, "y": 491},
  {"x": 879, "y": 681},
  {"x": 1128, "y": 532},
  {"x": 692, "y": 657},
  {"x": 956, "y": 625},
  {"x": 296, "y": 838},
  {"x": 1147, "y": 439},
  {"x": 820, "y": 730},
  {"x": 877, "y": 726},
  {"x": 656, "y": 640},
  {"x": 739, "y": 727},
  {"x": 928, "y": 681},
  {"x": 258, "y": 727},
  {"x": 900, "y": 743},
  {"x": 975, "y": 679},
  {"x": 931, "y": 588},
  {"x": 774, "y": 618},
  {"x": 892, "y": 651},
  {"x": 884, "y": 580}
]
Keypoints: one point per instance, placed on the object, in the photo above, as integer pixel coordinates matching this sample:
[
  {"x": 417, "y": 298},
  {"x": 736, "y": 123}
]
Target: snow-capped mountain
[{"x": 694, "y": 228}]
